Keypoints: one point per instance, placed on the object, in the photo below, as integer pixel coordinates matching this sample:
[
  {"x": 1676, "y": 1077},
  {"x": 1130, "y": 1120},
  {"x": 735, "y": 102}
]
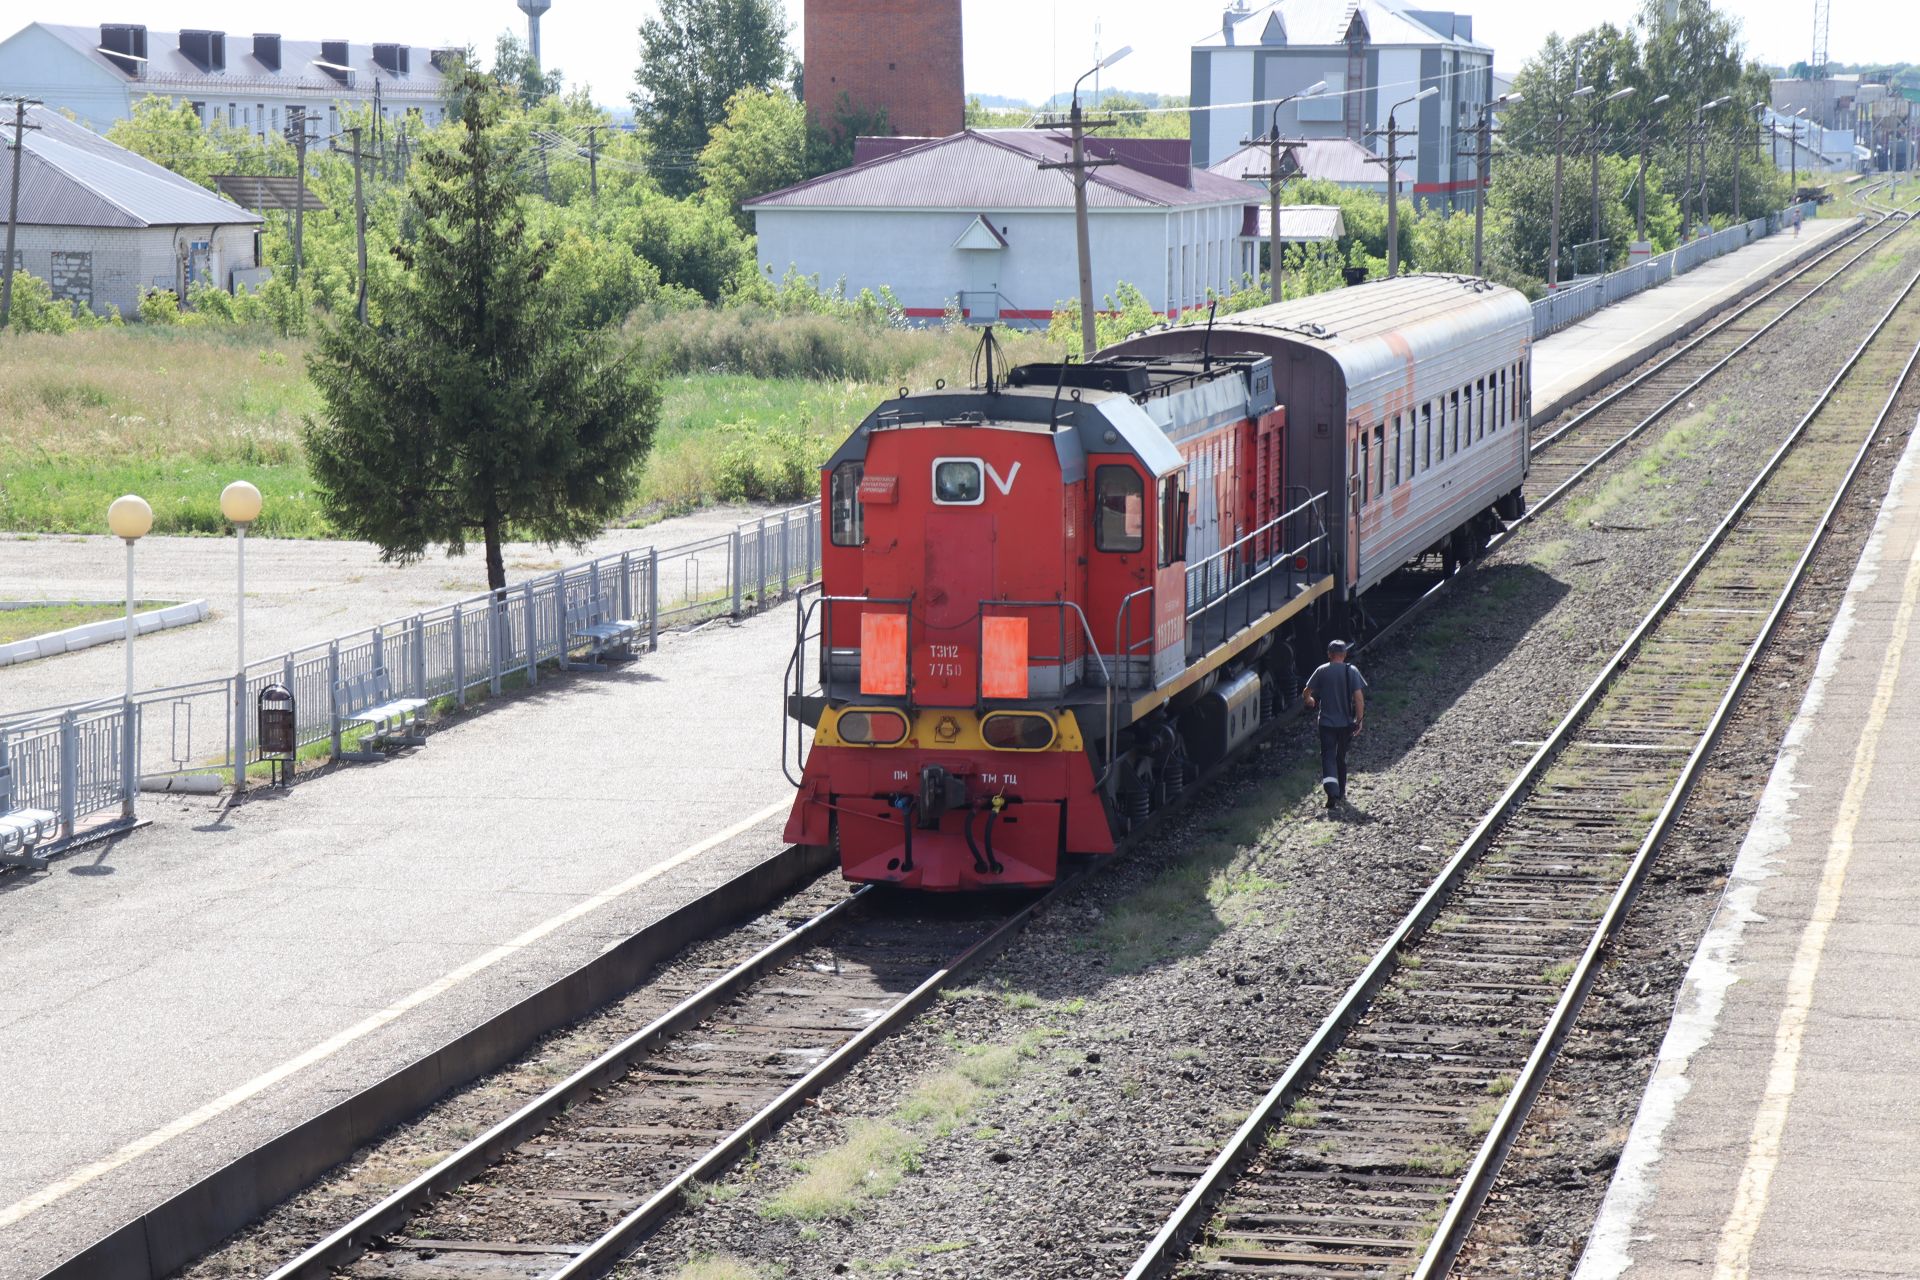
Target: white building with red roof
[{"x": 972, "y": 221}]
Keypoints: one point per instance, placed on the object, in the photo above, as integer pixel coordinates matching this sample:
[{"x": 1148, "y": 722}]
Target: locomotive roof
[
  {"x": 1081, "y": 421},
  {"x": 1368, "y": 327}
]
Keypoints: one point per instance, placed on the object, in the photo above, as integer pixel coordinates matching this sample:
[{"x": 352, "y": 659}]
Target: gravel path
[
  {"x": 1149, "y": 1009},
  {"x": 298, "y": 592},
  {"x": 1537, "y": 1219}
]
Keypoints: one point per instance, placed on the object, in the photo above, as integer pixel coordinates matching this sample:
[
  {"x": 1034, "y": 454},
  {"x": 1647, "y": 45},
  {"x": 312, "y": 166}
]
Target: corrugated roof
[
  {"x": 1335, "y": 159},
  {"x": 73, "y": 177},
  {"x": 1344, "y": 317},
  {"x": 1325, "y": 22},
  {"x": 994, "y": 169},
  {"x": 167, "y": 67}
]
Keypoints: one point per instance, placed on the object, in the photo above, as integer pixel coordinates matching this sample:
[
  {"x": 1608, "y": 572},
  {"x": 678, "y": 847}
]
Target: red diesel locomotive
[{"x": 1048, "y": 603}]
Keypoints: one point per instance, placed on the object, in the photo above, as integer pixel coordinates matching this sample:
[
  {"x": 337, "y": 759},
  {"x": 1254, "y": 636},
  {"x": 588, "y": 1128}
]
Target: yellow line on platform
[
  {"x": 1735, "y": 1257},
  {"x": 327, "y": 1048}
]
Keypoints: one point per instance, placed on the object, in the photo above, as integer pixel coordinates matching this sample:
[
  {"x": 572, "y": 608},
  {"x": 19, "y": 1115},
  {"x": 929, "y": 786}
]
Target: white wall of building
[
  {"x": 1232, "y": 81},
  {"x": 104, "y": 267},
  {"x": 1172, "y": 256},
  {"x": 36, "y": 64}
]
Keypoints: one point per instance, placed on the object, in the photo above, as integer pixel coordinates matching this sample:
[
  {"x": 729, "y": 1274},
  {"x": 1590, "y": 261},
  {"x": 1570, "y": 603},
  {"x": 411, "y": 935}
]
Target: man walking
[{"x": 1338, "y": 692}]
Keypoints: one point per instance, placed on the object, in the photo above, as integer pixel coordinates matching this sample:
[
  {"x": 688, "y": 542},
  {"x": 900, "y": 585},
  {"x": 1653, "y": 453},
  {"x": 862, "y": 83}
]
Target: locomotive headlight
[
  {"x": 879, "y": 728},
  {"x": 1018, "y": 731}
]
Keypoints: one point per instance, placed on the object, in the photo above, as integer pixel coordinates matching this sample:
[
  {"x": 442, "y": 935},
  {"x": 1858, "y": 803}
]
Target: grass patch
[
  {"x": 1635, "y": 494},
  {"x": 906, "y": 1259},
  {"x": 40, "y": 620},
  {"x": 713, "y": 1266},
  {"x": 871, "y": 1162},
  {"x": 1556, "y": 975}
]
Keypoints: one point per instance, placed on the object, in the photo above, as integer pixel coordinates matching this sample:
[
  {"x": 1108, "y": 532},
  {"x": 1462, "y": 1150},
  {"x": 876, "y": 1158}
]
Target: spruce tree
[{"x": 472, "y": 407}]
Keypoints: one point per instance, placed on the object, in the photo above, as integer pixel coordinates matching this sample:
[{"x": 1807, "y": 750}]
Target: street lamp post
[
  {"x": 1559, "y": 175},
  {"x": 1486, "y": 165},
  {"x": 1081, "y": 235},
  {"x": 1646, "y": 134},
  {"x": 129, "y": 519},
  {"x": 240, "y": 503},
  {"x": 1793, "y": 156},
  {"x": 1594, "y": 137},
  {"x": 1275, "y": 180},
  {"x": 1393, "y": 181},
  {"x": 1688, "y": 192}
]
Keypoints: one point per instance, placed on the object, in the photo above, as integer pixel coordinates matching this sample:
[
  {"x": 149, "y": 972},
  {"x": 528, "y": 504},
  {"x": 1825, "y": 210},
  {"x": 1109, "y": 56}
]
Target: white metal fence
[
  {"x": 1577, "y": 301},
  {"x": 72, "y": 759}
]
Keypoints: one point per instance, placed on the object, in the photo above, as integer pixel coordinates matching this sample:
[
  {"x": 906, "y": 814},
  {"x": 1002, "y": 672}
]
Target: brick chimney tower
[{"x": 904, "y": 57}]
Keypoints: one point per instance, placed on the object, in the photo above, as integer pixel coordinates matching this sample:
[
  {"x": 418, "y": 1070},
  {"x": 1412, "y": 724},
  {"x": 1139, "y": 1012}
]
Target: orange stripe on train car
[{"x": 883, "y": 654}]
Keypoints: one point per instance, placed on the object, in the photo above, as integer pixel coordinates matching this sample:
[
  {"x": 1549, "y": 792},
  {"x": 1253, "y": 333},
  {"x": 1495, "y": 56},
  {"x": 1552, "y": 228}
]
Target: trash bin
[{"x": 275, "y": 730}]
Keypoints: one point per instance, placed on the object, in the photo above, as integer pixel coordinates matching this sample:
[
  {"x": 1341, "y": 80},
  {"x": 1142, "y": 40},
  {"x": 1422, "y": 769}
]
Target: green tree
[
  {"x": 830, "y": 145},
  {"x": 515, "y": 69},
  {"x": 693, "y": 58},
  {"x": 761, "y": 146},
  {"x": 173, "y": 137},
  {"x": 474, "y": 408}
]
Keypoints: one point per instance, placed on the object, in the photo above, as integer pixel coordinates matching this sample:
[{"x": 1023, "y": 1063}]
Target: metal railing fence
[
  {"x": 71, "y": 759},
  {"x": 1577, "y": 301}
]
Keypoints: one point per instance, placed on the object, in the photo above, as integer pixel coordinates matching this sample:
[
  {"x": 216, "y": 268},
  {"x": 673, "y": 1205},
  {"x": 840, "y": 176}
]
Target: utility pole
[
  {"x": 20, "y": 127},
  {"x": 1392, "y": 161},
  {"x": 593, "y": 157},
  {"x": 1281, "y": 165},
  {"x": 360, "y": 213},
  {"x": 1739, "y": 155},
  {"x": 1483, "y": 173},
  {"x": 1594, "y": 137},
  {"x": 1646, "y": 137},
  {"x": 1079, "y": 169},
  {"x": 297, "y": 134},
  {"x": 1559, "y": 177}
]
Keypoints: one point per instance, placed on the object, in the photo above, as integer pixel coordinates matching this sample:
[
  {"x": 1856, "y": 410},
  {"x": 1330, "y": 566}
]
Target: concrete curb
[
  {"x": 169, "y": 1236},
  {"x": 103, "y": 632},
  {"x": 1559, "y": 404}
]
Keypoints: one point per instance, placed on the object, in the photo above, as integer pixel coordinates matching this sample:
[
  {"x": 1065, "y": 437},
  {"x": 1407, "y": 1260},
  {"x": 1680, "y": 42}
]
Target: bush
[
  {"x": 765, "y": 344},
  {"x": 36, "y": 311},
  {"x": 159, "y": 307},
  {"x": 766, "y": 463}
]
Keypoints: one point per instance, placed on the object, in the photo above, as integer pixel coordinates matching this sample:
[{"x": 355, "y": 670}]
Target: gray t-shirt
[{"x": 1333, "y": 686}]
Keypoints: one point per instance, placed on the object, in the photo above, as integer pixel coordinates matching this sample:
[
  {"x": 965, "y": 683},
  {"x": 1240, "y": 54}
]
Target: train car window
[
  {"x": 1173, "y": 522},
  {"x": 1119, "y": 509},
  {"x": 1365, "y": 470},
  {"x": 1499, "y": 389},
  {"x": 1426, "y": 437},
  {"x": 1453, "y": 415},
  {"x": 1379, "y": 459},
  {"x": 956, "y": 482},
  {"x": 1396, "y": 451},
  {"x": 1479, "y": 408},
  {"x": 849, "y": 522}
]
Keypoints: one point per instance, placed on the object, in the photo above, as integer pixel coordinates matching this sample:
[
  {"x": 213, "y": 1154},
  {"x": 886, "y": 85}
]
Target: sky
[{"x": 1017, "y": 48}]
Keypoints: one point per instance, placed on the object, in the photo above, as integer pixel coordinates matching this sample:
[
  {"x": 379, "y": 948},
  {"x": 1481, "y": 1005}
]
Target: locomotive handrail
[
  {"x": 1234, "y": 546},
  {"x": 796, "y": 662}
]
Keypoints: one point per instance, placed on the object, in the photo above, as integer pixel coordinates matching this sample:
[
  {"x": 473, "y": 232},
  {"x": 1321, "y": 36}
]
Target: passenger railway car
[{"x": 1050, "y": 601}]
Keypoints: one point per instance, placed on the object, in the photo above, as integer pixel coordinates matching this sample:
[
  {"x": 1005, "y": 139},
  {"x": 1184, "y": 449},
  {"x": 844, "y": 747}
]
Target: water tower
[{"x": 533, "y": 9}]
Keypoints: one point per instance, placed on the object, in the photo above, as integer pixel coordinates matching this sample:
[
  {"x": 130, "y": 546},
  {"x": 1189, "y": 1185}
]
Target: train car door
[
  {"x": 1356, "y": 452},
  {"x": 960, "y": 558}
]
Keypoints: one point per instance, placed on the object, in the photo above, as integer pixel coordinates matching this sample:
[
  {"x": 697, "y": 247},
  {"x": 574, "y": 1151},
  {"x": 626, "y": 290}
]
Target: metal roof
[
  {"x": 168, "y": 68},
  {"x": 73, "y": 177},
  {"x": 995, "y": 169},
  {"x": 1325, "y": 22},
  {"x": 261, "y": 192},
  {"x": 1339, "y": 160}
]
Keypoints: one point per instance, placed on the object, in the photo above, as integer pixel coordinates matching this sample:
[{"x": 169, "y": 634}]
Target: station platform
[
  {"x": 170, "y": 1001},
  {"x": 1778, "y": 1133},
  {"x": 1581, "y": 358}
]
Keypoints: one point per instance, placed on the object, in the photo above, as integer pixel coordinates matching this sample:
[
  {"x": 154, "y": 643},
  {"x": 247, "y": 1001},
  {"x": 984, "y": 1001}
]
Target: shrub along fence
[{"x": 78, "y": 762}]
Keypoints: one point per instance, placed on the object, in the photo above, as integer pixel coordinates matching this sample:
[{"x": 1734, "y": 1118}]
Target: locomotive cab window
[
  {"x": 1119, "y": 509},
  {"x": 848, "y": 522},
  {"x": 956, "y": 482},
  {"x": 1173, "y": 522}
]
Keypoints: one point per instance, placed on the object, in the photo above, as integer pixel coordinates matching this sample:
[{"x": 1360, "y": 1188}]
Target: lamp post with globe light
[
  {"x": 129, "y": 519},
  {"x": 240, "y": 503}
]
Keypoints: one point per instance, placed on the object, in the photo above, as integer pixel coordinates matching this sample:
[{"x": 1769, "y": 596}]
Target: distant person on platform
[{"x": 1338, "y": 692}]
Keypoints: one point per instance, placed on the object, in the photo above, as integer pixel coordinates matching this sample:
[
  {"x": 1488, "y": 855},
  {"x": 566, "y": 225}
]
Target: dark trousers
[{"x": 1333, "y": 755}]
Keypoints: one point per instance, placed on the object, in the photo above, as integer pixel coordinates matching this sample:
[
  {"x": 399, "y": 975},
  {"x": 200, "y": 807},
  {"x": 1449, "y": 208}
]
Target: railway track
[
  {"x": 1564, "y": 456},
  {"x": 1371, "y": 1154}
]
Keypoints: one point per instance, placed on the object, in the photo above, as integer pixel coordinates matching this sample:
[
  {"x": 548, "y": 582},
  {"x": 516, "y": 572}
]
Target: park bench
[
  {"x": 592, "y": 629},
  {"x": 22, "y": 829},
  {"x": 368, "y": 699}
]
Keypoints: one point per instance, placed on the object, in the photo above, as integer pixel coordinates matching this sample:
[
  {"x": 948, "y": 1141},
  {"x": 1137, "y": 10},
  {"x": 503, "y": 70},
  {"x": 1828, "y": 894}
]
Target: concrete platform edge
[
  {"x": 1560, "y": 403},
  {"x": 88, "y": 634},
  {"x": 1608, "y": 1253},
  {"x": 173, "y": 1234}
]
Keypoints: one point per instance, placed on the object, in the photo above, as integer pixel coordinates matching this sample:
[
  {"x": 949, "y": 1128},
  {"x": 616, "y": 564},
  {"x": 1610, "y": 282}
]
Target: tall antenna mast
[
  {"x": 1096, "y": 62},
  {"x": 1817, "y": 65}
]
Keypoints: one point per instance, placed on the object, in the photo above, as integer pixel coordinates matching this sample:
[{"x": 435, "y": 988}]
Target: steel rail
[
  {"x": 1185, "y": 1221},
  {"x": 1450, "y": 1234}
]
